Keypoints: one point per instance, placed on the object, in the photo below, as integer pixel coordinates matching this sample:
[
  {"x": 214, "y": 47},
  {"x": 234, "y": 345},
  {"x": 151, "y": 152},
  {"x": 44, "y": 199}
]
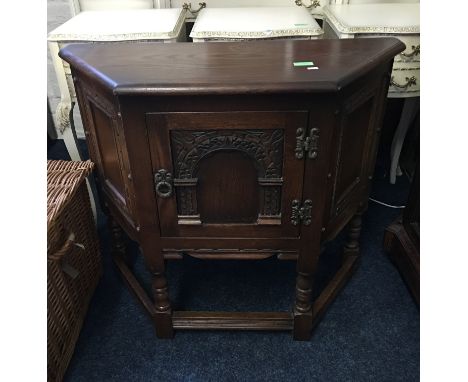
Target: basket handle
[{"x": 64, "y": 249}]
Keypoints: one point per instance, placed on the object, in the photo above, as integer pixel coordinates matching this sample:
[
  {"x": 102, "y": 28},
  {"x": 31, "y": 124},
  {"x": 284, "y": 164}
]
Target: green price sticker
[{"x": 303, "y": 63}]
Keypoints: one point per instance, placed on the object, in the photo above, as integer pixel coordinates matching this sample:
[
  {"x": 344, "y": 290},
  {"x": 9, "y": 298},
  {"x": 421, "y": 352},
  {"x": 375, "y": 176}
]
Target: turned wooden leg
[
  {"x": 163, "y": 312},
  {"x": 306, "y": 267},
  {"x": 303, "y": 307},
  {"x": 351, "y": 247}
]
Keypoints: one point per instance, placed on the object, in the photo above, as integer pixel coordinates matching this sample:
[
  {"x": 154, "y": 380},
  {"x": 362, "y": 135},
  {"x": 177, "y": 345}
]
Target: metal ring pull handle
[
  {"x": 415, "y": 52},
  {"x": 188, "y": 7},
  {"x": 163, "y": 181},
  {"x": 410, "y": 81},
  {"x": 313, "y": 4}
]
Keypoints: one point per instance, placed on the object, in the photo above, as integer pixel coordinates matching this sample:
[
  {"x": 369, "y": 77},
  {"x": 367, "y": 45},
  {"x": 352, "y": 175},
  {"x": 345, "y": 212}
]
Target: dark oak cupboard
[{"x": 229, "y": 151}]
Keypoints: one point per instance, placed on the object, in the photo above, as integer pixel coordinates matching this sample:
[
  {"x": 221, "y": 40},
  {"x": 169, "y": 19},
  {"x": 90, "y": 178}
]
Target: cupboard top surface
[{"x": 229, "y": 67}]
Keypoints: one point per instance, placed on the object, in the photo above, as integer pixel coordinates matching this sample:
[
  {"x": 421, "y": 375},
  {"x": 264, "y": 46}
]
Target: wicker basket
[{"x": 73, "y": 260}]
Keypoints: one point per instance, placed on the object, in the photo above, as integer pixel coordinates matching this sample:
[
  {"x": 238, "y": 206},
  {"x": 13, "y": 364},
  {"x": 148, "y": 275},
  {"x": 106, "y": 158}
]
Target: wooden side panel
[
  {"x": 354, "y": 147},
  {"x": 106, "y": 143},
  {"x": 357, "y": 132},
  {"x": 109, "y": 153}
]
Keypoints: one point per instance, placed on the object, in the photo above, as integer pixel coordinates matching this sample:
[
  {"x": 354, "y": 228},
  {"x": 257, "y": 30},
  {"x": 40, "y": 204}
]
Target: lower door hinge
[{"x": 301, "y": 213}]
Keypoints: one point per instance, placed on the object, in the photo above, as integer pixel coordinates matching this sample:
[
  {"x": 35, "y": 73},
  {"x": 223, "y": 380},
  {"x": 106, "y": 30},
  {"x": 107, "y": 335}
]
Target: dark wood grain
[
  {"x": 228, "y": 189},
  {"x": 230, "y": 67},
  {"x": 233, "y": 320},
  {"x": 256, "y": 158}
]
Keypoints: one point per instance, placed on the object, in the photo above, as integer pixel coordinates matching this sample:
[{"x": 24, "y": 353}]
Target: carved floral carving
[{"x": 264, "y": 146}]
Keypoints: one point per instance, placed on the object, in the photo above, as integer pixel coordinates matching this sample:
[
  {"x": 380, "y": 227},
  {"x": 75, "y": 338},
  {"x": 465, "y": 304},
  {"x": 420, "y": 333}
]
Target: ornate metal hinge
[
  {"x": 307, "y": 144},
  {"x": 303, "y": 213}
]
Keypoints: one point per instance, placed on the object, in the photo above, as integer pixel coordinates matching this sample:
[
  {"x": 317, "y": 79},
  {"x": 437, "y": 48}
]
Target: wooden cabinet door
[{"x": 226, "y": 174}]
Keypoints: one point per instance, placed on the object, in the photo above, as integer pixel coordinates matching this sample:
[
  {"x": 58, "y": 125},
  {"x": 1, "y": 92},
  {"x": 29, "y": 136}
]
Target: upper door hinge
[{"x": 307, "y": 144}]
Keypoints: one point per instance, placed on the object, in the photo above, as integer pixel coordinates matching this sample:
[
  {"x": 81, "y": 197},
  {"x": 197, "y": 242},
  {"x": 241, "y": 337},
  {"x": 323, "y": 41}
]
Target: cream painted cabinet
[
  {"x": 400, "y": 20},
  {"x": 222, "y": 24},
  {"x": 164, "y": 25},
  {"x": 378, "y": 20},
  {"x": 372, "y": 1},
  {"x": 314, "y": 6},
  {"x": 78, "y": 6}
]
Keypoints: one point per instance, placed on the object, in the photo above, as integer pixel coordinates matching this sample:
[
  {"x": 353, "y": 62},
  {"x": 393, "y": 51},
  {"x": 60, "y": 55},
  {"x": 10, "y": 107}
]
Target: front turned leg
[
  {"x": 351, "y": 247},
  {"x": 303, "y": 307},
  {"x": 162, "y": 304}
]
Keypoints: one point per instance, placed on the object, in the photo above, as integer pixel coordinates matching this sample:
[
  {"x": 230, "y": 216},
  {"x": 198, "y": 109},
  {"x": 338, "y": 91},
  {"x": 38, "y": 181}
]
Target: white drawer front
[
  {"x": 314, "y": 6},
  {"x": 235, "y": 3},
  {"x": 410, "y": 54},
  {"x": 405, "y": 81}
]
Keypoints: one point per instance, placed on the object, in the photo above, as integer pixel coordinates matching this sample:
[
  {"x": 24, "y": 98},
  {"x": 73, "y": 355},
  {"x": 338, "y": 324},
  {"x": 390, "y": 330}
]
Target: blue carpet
[{"x": 370, "y": 333}]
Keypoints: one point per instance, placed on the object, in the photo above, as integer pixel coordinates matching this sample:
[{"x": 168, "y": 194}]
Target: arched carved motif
[{"x": 265, "y": 147}]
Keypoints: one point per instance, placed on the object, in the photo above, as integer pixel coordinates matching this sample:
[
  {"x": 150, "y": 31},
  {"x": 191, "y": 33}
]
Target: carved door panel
[{"x": 226, "y": 174}]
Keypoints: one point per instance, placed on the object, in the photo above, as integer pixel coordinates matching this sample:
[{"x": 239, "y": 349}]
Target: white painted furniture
[
  {"x": 314, "y": 6},
  {"x": 252, "y": 23},
  {"x": 371, "y": 1},
  {"x": 165, "y": 25},
  {"x": 78, "y": 6},
  {"x": 400, "y": 20}
]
